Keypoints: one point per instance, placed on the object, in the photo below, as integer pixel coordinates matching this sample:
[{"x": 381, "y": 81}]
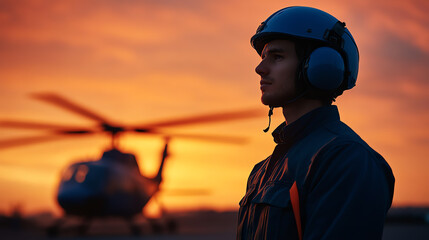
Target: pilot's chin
[{"x": 266, "y": 100}]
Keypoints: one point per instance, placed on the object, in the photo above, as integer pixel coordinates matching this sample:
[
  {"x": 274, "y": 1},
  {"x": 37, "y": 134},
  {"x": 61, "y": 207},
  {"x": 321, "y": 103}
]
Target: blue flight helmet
[{"x": 332, "y": 65}]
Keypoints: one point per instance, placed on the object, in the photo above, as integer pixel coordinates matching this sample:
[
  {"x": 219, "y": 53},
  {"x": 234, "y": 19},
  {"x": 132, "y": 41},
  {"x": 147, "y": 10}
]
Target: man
[{"x": 322, "y": 180}]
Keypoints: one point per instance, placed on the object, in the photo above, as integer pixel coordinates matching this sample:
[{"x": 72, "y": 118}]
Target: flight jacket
[{"x": 345, "y": 187}]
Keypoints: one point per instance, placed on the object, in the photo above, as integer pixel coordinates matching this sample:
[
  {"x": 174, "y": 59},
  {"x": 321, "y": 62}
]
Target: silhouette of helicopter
[{"x": 113, "y": 184}]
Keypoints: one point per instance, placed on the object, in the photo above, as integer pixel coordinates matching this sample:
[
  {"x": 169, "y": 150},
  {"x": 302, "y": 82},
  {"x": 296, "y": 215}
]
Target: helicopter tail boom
[{"x": 164, "y": 155}]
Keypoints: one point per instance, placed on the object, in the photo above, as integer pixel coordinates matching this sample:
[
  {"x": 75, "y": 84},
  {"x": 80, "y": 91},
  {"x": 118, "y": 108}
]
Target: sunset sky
[{"x": 139, "y": 61}]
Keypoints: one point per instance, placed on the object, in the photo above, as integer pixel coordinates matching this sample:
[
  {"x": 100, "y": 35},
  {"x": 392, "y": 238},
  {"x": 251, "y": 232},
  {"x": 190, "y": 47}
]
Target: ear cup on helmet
[{"x": 324, "y": 69}]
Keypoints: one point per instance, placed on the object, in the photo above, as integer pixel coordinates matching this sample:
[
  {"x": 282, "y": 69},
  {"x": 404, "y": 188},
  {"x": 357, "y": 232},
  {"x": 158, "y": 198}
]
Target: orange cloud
[{"x": 137, "y": 61}]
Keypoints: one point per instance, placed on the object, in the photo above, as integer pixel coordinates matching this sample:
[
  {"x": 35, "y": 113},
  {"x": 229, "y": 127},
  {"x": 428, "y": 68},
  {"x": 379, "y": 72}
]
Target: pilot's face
[{"x": 277, "y": 69}]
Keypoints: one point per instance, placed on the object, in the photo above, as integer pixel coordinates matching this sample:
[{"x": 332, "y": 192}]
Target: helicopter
[{"x": 111, "y": 186}]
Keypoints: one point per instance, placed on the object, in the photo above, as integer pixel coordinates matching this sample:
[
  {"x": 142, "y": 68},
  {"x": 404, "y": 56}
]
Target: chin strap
[{"x": 270, "y": 113}]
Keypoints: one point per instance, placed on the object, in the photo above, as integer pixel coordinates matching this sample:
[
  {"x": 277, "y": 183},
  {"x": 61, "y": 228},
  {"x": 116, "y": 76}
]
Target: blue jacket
[{"x": 345, "y": 187}]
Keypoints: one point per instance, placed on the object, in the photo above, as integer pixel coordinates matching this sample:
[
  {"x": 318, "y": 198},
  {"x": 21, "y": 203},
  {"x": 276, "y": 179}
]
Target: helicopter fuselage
[{"x": 110, "y": 186}]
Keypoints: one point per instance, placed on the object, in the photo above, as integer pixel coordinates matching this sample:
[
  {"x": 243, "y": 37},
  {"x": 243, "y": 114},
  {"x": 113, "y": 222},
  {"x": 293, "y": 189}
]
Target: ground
[{"x": 206, "y": 225}]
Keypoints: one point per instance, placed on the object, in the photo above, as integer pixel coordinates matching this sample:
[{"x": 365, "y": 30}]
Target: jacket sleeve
[{"x": 349, "y": 190}]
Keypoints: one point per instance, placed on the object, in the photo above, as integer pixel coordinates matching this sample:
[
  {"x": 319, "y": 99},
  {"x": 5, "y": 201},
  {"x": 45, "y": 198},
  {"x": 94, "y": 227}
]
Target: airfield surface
[{"x": 207, "y": 225}]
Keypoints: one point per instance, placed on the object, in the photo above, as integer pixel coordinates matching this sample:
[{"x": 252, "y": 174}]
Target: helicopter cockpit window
[
  {"x": 68, "y": 173},
  {"x": 81, "y": 173}
]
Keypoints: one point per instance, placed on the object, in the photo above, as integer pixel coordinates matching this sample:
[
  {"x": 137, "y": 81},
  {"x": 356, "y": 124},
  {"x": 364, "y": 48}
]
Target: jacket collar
[{"x": 291, "y": 133}]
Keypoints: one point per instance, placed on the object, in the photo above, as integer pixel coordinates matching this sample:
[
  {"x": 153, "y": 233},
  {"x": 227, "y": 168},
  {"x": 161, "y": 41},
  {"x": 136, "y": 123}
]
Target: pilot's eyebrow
[{"x": 272, "y": 50}]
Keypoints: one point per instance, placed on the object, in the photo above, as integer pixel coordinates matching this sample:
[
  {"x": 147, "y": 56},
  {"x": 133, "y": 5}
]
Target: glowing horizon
[{"x": 140, "y": 61}]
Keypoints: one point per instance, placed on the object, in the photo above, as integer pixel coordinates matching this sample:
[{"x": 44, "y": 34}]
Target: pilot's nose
[{"x": 261, "y": 69}]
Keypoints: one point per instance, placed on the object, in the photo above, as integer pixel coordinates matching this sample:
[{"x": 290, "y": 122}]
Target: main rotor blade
[
  {"x": 201, "y": 137},
  {"x": 8, "y": 143},
  {"x": 66, "y": 104},
  {"x": 17, "y": 142},
  {"x": 221, "y": 139},
  {"x": 208, "y": 118},
  {"x": 33, "y": 125}
]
